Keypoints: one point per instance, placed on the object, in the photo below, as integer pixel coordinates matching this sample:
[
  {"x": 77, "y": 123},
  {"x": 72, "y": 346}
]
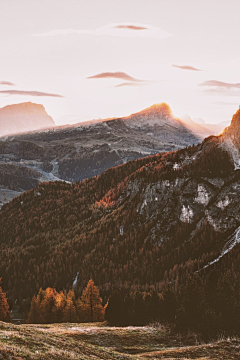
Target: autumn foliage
[
  {"x": 4, "y": 308},
  {"x": 49, "y": 306}
]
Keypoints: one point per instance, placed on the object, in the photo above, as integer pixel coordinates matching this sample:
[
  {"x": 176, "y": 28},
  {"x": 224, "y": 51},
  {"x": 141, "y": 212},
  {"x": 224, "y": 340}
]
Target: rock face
[
  {"x": 23, "y": 117},
  {"x": 233, "y": 131},
  {"x": 149, "y": 222},
  {"x": 87, "y": 149}
]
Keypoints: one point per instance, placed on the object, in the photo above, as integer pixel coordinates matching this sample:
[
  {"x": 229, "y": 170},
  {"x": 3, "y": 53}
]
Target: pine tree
[
  {"x": 92, "y": 303},
  {"x": 4, "y": 308},
  {"x": 70, "y": 312},
  {"x": 59, "y": 308},
  {"x": 114, "y": 309},
  {"x": 34, "y": 313}
]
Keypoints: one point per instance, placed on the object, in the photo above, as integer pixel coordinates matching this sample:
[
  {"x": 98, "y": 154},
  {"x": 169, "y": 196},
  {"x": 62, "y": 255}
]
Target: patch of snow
[
  {"x": 186, "y": 214},
  {"x": 203, "y": 197},
  {"x": 222, "y": 204},
  {"x": 166, "y": 183},
  {"x": 211, "y": 221},
  {"x": 231, "y": 242},
  {"x": 176, "y": 166},
  {"x": 75, "y": 280},
  {"x": 121, "y": 229}
]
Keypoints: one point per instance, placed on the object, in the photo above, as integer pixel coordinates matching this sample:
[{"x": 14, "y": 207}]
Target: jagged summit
[
  {"x": 233, "y": 131},
  {"x": 161, "y": 110},
  {"x": 18, "y": 118},
  {"x": 23, "y": 107}
]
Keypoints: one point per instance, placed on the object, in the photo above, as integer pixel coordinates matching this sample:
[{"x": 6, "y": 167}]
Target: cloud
[
  {"x": 220, "y": 84},
  {"x": 186, "y": 67},
  {"x": 131, "y": 27},
  {"x": 119, "y": 30},
  {"x": 128, "y": 84},
  {"x": 134, "y": 83},
  {"x": 114, "y": 75},
  {"x": 6, "y": 83},
  {"x": 31, "y": 93}
]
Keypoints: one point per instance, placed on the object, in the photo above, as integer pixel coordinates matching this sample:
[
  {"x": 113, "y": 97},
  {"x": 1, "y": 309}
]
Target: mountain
[
  {"x": 201, "y": 129},
  {"x": 137, "y": 226},
  {"x": 73, "y": 153},
  {"x": 23, "y": 117}
]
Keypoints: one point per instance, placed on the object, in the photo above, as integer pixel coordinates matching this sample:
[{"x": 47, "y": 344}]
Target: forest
[{"x": 60, "y": 231}]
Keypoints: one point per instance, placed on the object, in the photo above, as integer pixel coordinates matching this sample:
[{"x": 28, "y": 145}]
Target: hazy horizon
[{"x": 102, "y": 59}]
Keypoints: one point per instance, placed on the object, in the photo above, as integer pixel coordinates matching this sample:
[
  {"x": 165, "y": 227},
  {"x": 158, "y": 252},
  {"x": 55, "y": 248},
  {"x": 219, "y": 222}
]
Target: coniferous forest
[{"x": 59, "y": 235}]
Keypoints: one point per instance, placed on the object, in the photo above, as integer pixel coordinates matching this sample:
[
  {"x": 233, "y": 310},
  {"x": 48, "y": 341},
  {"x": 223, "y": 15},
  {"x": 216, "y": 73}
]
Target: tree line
[
  {"x": 208, "y": 308},
  {"x": 4, "y": 307},
  {"x": 50, "y": 306},
  {"x": 51, "y": 233}
]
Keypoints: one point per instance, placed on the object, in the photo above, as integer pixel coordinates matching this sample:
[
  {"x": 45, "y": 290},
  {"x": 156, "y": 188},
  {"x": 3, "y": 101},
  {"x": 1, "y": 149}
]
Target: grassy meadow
[{"x": 98, "y": 341}]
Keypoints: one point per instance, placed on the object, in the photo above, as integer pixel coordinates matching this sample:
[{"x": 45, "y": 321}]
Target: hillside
[
  {"x": 84, "y": 150},
  {"x": 19, "y": 118},
  {"x": 137, "y": 226},
  {"x": 96, "y": 341}
]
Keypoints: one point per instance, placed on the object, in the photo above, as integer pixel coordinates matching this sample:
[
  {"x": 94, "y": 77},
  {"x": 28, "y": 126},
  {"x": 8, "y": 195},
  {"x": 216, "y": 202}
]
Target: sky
[{"x": 92, "y": 59}]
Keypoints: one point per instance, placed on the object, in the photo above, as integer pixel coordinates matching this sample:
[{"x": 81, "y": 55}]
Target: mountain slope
[
  {"x": 140, "y": 225},
  {"x": 203, "y": 130},
  {"x": 23, "y": 117},
  {"x": 87, "y": 149}
]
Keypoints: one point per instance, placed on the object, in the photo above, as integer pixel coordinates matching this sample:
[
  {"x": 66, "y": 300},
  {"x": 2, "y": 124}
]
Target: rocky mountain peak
[
  {"x": 233, "y": 131},
  {"x": 18, "y": 118},
  {"x": 162, "y": 110},
  {"x": 235, "y": 123}
]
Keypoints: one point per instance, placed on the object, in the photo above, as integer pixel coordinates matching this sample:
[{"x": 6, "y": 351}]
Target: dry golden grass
[{"x": 97, "y": 341}]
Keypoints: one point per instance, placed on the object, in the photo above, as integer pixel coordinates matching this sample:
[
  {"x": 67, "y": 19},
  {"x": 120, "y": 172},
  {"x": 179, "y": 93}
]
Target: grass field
[{"x": 97, "y": 341}]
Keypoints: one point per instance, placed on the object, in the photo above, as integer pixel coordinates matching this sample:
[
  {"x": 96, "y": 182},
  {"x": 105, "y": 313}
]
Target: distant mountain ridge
[
  {"x": 80, "y": 151},
  {"x": 18, "y": 118},
  {"x": 203, "y": 129},
  {"x": 140, "y": 226}
]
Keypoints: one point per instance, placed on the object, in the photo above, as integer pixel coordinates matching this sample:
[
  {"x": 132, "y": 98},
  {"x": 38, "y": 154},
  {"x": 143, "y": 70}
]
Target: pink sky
[{"x": 111, "y": 58}]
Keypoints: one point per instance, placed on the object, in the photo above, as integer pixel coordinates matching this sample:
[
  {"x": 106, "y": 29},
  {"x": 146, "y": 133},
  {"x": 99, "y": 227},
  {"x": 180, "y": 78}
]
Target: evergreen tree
[
  {"x": 4, "y": 307},
  {"x": 34, "y": 313},
  {"x": 92, "y": 303},
  {"x": 192, "y": 313},
  {"x": 70, "y": 311},
  {"x": 169, "y": 305},
  {"x": 114, "y": 309}
]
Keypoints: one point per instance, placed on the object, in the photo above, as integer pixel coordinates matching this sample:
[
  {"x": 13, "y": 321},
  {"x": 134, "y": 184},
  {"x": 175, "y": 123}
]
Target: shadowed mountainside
[{"x": 137, "y": 226}]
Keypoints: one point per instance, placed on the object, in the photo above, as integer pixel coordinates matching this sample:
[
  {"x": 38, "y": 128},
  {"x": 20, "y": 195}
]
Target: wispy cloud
[
  {"x": 131, "y": 27},
  {"x": 128, "y": 84},
  {"x": 114, "y": 75},
  {"x": 7, "y": 83},
  {"x": 220, "y": 84},
  {"x": 31, "y": 93},
  {"x": 115, "y": 29},
  {"x": 186, "y": 67},
  {"x": 142, "y": 83}
]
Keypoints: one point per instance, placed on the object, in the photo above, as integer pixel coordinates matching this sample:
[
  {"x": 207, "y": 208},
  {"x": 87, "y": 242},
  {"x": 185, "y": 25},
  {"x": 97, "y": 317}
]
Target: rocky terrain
[
  {"x": 140, "y": 225},
  {"x": 19, "y": 118},
  {"x": 73, "y": 153},
  {"x": 97, "y": 341}
]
